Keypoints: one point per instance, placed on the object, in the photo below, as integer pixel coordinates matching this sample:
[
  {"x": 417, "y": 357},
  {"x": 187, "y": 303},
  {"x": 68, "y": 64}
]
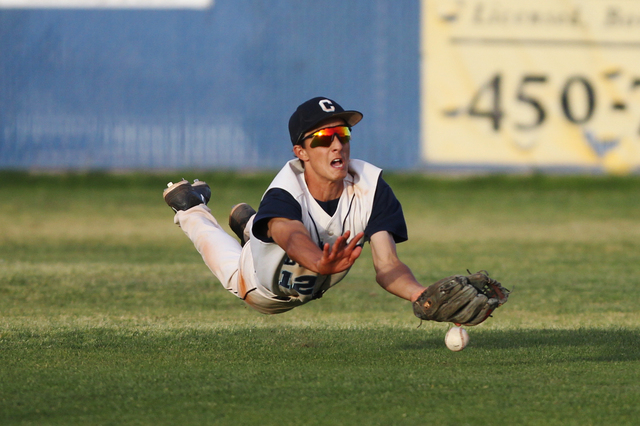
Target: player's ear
[{"x": 300, "y": 152}]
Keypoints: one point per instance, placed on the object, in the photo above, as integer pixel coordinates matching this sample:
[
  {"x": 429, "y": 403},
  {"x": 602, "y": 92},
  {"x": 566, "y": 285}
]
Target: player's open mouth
[{"x": 337, "y": 163}]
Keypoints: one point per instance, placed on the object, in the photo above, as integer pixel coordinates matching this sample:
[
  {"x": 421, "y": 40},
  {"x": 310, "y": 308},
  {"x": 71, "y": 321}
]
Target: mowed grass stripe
[{"x": 290, "y": 375}]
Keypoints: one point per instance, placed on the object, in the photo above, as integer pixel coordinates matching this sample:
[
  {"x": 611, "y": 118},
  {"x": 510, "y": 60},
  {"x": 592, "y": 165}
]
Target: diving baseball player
[{"x": 311, "y": 223}]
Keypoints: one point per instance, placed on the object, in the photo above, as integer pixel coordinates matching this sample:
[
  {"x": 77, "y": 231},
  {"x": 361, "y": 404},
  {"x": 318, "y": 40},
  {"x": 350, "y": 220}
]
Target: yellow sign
[{"x": 531, "y": 83}]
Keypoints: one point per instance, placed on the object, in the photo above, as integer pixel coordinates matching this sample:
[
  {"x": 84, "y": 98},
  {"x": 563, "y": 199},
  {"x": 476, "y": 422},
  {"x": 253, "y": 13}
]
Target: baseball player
[{"x": 311, "y": 224}]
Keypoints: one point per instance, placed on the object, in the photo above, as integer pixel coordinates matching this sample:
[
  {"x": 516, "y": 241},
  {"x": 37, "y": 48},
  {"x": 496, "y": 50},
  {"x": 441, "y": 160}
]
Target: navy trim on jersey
[
  {"x": 330, "y": 206},
  {"x": 386, "y": 214}
]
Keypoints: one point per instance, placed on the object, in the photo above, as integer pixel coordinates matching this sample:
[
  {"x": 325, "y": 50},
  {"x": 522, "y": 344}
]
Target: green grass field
[{"x": 108, "y": 316}]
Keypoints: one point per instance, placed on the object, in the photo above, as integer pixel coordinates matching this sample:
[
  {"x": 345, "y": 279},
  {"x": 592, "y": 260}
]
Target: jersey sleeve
[
  {"x": 386, "y": 214},
  {"x": 275, "y": 203}
]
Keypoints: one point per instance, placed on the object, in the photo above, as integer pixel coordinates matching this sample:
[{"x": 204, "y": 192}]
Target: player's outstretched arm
[
  {"x": 296, "y": 241},
  {"x": 393, "y": 275}
]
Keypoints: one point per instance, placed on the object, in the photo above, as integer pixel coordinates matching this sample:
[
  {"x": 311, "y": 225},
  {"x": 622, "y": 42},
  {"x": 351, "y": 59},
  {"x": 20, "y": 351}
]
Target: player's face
[{"x": 326, "y": 156}]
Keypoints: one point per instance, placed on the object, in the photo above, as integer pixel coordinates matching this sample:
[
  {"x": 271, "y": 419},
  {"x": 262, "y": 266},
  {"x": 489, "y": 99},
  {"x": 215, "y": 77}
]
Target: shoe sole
[
  {"x": 181, "y": 196},
  {"x": 172, "y": 187}
]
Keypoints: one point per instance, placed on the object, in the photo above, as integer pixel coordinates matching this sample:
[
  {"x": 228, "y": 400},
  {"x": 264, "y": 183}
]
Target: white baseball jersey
[{"x": 284, "y": 278}]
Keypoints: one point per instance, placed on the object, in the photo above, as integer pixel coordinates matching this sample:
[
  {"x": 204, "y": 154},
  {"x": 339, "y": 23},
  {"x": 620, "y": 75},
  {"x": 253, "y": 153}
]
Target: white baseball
[{"x": 456, "y": 339}]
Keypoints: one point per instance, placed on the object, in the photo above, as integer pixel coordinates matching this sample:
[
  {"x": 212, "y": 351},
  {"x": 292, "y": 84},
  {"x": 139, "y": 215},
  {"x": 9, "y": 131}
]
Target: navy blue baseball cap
[{"x": 315, "y": 111}]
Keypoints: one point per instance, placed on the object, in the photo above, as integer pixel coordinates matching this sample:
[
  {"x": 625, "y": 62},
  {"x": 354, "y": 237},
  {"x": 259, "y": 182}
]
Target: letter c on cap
[{"x": 326, "y": 105}]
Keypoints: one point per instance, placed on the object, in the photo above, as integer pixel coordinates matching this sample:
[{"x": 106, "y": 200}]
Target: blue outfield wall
[{"x": 210, "y": 89}]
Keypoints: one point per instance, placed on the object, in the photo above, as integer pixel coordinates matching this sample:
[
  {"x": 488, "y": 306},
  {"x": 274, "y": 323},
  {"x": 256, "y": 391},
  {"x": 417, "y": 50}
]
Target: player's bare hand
[{"x": 341, "y": 256}]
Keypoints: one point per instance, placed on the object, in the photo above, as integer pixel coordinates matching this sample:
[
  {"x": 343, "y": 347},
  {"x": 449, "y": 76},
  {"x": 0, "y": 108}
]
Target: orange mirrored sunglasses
[{"x": 324, "y": 137}]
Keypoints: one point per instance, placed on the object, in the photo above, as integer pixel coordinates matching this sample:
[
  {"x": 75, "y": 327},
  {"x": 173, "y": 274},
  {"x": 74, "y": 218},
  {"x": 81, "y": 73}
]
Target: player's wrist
[{"x": 416, "y": 294}]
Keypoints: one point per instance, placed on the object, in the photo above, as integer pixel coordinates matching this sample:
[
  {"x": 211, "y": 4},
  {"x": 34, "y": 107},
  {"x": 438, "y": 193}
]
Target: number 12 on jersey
[{"x": 302, "y": 284}]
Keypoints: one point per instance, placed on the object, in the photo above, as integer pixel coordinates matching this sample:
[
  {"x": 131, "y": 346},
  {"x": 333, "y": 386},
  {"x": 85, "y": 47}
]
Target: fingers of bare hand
[
  {"x": 355, "y": 254},
  {"x": 339, "y": 244},
  {"x": 326, "y": 250},
  {"x": 356, "y": 239}
]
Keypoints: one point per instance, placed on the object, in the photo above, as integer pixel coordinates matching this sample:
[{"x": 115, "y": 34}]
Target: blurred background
[
  {"x": 204, "y": 88},
  {"x": 443, "y": 84}
]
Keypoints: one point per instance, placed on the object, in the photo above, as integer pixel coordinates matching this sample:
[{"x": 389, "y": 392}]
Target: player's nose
[{"x": 336, "y": 143}]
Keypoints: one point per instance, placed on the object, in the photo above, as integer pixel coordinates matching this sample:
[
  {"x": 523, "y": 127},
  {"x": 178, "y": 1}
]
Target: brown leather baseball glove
[{"x": 462, "y": 300}]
